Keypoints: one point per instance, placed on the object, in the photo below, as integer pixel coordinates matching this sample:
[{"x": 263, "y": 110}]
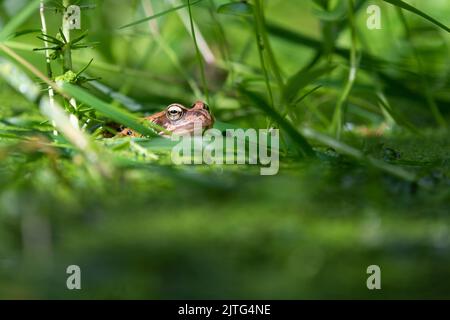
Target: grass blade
[
  {"x": 13, "y": 24},
  {"x": 301, "y": 79},
  {"x": 160, "y": 14},
  {"x": 398, "y": 118},
  {"x": 236, "y": 8},
  {"x": 340, "y": 110},
  {"x": 303, "y": 146},
  {"x": 56, "y": 113},
  {"x": 265, "y": 46},
  {"x": 109, "y": 111},
  {"x": 198, "y": 53},
  {"x": 352, "y": 152},
  {"x": 410, "y": 8}
]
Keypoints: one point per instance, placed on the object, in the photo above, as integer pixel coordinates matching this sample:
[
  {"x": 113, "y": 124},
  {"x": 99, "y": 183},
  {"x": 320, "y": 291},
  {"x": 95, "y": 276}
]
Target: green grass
[{"x": 364, "y": 170}]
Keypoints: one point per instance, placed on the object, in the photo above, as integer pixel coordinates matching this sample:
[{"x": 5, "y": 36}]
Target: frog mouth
[
  {"x": 188, "y": 128},
  {"x": 192, "y": 128}
]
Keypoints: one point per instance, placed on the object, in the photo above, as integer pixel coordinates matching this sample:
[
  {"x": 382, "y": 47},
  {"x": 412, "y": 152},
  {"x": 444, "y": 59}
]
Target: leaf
[
  {"x": 303, "y": 146},
  {"x": 81, "y": 37},
  {"x": 20, "y": 18},
  {"x": 49, "y": 38},
  {"x": 335, "y": 14},
  {"x": 62, "y": 35},
  {"x": 74, "y": 135},
  {"x": 109, "y": 110},
  {"x": 236, "y": 8},
  {"x": 350, "y": 151},
  {"x": 84, "y": 68},
  {"x": 394, "y": 86},
  {"x": 412, "y": 9},
  {"x": 62, "y": 121},
  {"x": 321, "y": 3},
  {"x": 24, "y": 32},
  {"x": 301, "y": 79},
  {"x": 158, "y": 14},
  {"x": 296, "y": 102},
  {"x": 398, "y": 118}
]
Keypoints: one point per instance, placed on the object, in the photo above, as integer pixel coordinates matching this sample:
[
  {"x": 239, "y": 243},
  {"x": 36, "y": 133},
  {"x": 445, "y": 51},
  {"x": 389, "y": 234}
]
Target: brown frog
[{"x": 178, "y": 119}]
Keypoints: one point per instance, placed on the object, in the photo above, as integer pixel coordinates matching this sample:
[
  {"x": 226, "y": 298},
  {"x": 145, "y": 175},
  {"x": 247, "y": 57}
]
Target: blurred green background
[{"x": 142, "y": 228}]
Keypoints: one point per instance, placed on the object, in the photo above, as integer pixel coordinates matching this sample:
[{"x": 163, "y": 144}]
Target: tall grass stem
[
  {"x": 339, "y": 113},
  {"x": 51, "y": 93},
  {"x": 198, "y": 52}
]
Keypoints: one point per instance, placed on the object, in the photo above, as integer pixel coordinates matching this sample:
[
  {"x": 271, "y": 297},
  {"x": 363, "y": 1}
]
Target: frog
[{"x": 178, "y": 119}]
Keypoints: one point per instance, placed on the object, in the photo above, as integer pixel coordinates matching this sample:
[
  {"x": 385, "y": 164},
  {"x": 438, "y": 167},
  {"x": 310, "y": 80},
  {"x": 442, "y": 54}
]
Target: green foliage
[
  {"x": 160, "y": 14},
  {"x": 10, "y": 29},
  {"x": 140, "y": 227},
  {"x": 109, "y": 111},
  {"x": 404, "y": 5}
]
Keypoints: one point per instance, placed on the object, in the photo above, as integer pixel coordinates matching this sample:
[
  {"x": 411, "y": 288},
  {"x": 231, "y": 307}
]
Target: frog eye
[{"x": 174, "y": 112}]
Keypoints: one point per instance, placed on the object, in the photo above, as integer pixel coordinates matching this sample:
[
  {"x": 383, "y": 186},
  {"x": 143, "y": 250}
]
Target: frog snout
[{"x": 201, "y": 105}]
